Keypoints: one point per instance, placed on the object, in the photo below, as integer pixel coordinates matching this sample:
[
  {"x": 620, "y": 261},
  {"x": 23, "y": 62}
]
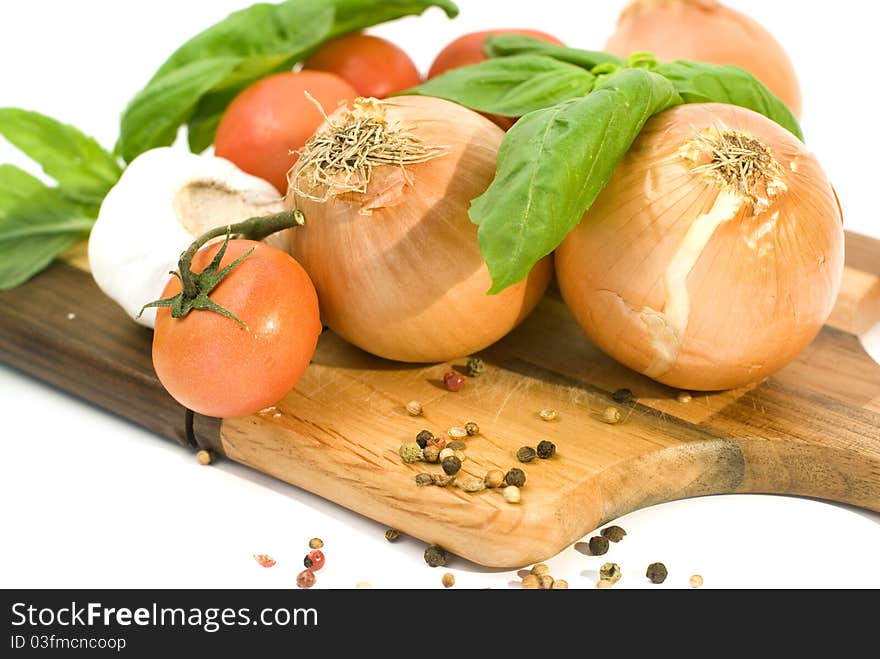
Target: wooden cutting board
[{"x": 813, "y": 430}]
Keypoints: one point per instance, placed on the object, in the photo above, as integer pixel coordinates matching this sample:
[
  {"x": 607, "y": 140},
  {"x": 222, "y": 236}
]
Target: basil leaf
[
  {"x": 37, "y": 223},
  {"x": 232, "y": 54},
  {"x": 83, "y": 169},
  {"x": 506, "y": 45},
  {"x": 554, "y": 163},
  {"x": 697, "y": 82},
  {"x": 512, "y": 86}
]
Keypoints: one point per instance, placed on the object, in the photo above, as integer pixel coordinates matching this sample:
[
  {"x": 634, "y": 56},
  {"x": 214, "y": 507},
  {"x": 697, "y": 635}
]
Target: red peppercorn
[
  {"x": 305, "y": 579},
  {"x": 453, "y": 382},
  {"x": 317, "y": 560}
]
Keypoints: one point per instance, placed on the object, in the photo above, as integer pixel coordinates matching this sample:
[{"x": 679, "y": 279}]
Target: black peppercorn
[
  {"x": 622, "y": 396},
  {"x": 451, "y": 465},
  {"x": 526, "y": 454},
  {"x": 613, "y": 533},
  {"x": 598, "y": 545},
  {"x": 435, "y": 556},
  {"x": 657, "y": 573},
  {"x": 515, "y": 477},
  {"x": 546, "y": 450},
  {"x": 308, "y": 562},
  {"x": 423, "y": 438}
]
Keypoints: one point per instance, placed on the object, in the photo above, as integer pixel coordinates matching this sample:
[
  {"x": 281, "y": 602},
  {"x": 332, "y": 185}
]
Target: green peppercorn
[
  {"x": 431, "y": 454},
  {"x": 424, "y": 479},
  {"x": 475, "y": 367},
  {"x": 435, "y": 556},
  {"x": 392, "y": 535},
  {"x": 610, "y": 572},
  {"x": 622, "y": 396},
  {"x": 526, "y": 454},
  {"x": 614, "y": 533},
  {"x": 598, "y": 545},
  {"x": 515, "y": 477},
  {"x": 451, "y": 465},
  {"x": 424, "y": 437},
  {"x": 546, "y": 450},
  {"x": 472, "y": 429},
  {"x": 657, "y": 573},
  {"x": 411, "y": 453}
]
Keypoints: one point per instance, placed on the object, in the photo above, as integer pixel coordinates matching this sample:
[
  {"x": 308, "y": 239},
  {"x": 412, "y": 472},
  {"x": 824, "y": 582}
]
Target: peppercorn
[
  {"x": 622, "y": 396},
  {"x": 424, "y": 479},
  {"x": 696, "y": 581},
  {"x": 614, "y": 533},
  {"x": 435, "y": 556},
  {"x": 494, "y": 478},
  {"x": 316, "y": 558},
  {"x": 460, "y": 455},
  {"x": 515, "y": 477},
  {"x": 446, "y": 453},
  {"x": 305, "y": 579},
  {"x": 439, "y": 442},
  {"x": 441, "y": 480},
  {"x": 411, "y": 453},
  {"x": 546, "y": 450},
  {"x": 456, "y": 446},
  {"x": 610, "y": 572},
  {"x": 472, "y": 429},
  {"x": 308, "y": 562},
  {"x": 453, "y": 382},
  {"x": 471, "y": 484},
  {"x": 540, "y": 569},
  {"x": 451, "y": 465},
  {"x": 657, "y": 573},
  {"x": 414, "y": 408},
  {"x": 526, "y": 454},
  {"x": 560, "y": 584},
  {"x": 546, "y": 582},
  {"x": 431, "y": 454},
  {"x": 457, "y": 433},
  {"x": 392, "y": 535},
  {"x": 611, "y": 416},
  {"x": 204, "y": 458},
  {"x": 424, "y": 437},
  {"x": 475, "y": 367},
  {"x": 512, "y": 494},
  {"x": 448, "y": 580},
  {"x": 684, "y": 398},
  {"x": 316, "y": 543},
  {"x": 531, "y": 582},
  {"x": 548, "y": 415},
  {"x": 598, "y": 545},
  {"x": 604, "y": 584}
]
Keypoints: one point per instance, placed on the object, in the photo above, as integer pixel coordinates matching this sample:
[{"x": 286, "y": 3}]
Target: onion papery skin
[
  {"x": 707, "y": 31},
  {"x": 407, "y": 282},
  {"x": 760, "y": 289}
]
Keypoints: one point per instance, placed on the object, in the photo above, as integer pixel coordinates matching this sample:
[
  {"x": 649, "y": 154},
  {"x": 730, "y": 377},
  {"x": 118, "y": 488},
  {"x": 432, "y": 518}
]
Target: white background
[{"x": 89, "y": 500}]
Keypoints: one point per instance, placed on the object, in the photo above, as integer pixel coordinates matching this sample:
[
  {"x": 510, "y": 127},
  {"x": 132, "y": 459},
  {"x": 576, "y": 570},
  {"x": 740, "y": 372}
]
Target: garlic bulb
[
  {"x": 714, "y": 255},
  {"x": 164, "y": 200}
]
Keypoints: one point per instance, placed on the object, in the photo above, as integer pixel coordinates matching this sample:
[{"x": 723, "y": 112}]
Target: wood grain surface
[{"x": 812, "y": 430}]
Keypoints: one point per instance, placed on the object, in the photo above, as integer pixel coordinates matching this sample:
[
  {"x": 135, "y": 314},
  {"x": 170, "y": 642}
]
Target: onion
[
  {"x": 386, "y": 189},
  {"x": 706, "y": 30},
  {"x": 714, "y": 255}
]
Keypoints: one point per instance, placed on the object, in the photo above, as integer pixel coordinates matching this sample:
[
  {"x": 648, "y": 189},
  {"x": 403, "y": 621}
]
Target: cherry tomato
[
  {"x": 273, "y": 117},
  {"x": 374, "y": 66},
  {"x": 468, "y": 49},
  {"x": 214, "y": 366}
]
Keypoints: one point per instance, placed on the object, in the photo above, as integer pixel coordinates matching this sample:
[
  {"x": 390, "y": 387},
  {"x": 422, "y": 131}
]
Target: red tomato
[
  {"x": 468, "y": 49},
  {"x": 375, "y": 67},
  {"x": 273, "y": 117},
  {"x": 214, "y": 366}
]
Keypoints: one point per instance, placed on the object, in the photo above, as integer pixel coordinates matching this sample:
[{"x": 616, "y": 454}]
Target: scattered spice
[
  {"x": 448, "y": 580},
  {"x": 457, "y": 446},
  {"x": 316, "y": 558},
  {"x": 424, "y": 437},
  {"x": 307, "y": 562},
  {"x": 696, "y": 581},
  {"x": 614, "y": 533},
  {"x": 560, "y": 584},
  {"x": 439, "y": 442},
  {"x": 431, "y": 454},
  {"x": 546, "y": 450},
  {"x": 610, "y": 572},
  {"x": 392, "y": 535},
  {"x": 424, "y": 479},
  {"x": 451, "y": 465},
  {"x": 264, "y": 559},
  {"x": 414, "y": 408},
  {"x": 453, "y": 382},
  {"x": 475, "y": 367},
  {"x": 305, "y": 579},
  {"x": 411, "y": 453},
  {"x": 204, "y": 458},
  {"x": 526, "y": 454},
  {"x": 604, "y": 584},
  {"x": 598, "y": 545},
  {"x": 657, "y": 573},
  {"x": 471, "y": 484},
  {"x": 515, "y": 477},
  {"x": 494, "y": 478},
  {"x": 435, "y": 556},
  {"x": 611, "y": 416},
  {"x": 316, "y": 543},
  {"x": 441, "y": 480},
  {"x": 548, "y": 415},
  {"x": 622, "y": 396},
  {"x": 540, "y": 569},
  {"x": 512, "y": 494},
  {"x": 472, "y": 429},
  {"x": 531, "y": 582},
  {"x": 684, "y": 397},
  {"x": 446, "y": 453},
  {"x": 546, "y": 582},
  {"x": 457, "y": 433}
]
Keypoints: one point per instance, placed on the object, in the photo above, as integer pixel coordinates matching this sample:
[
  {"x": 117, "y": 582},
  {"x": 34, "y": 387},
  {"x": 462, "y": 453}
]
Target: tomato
[
  {"x": 375, "y": 67},
  {"x": 468, "y": 49},
  {"x": 211, "y": 364},
  {"x": 273, "y": 117}
]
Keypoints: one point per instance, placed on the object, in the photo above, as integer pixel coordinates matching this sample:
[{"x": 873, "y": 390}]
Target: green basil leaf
[
  {"x": 697, "y": 82},
  {"x": 241, "y": 49},
  {"x": 505, "y": 45},
  {"x": 83, "y": 169},
  {"x": 511, "y": 86},
  {"x": 37, "y": 223},
  {"x": 554, "y": 163}
]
